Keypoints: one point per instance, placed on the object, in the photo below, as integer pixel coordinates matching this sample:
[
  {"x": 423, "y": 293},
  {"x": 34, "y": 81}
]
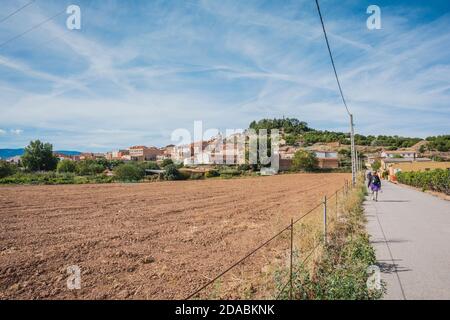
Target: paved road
[{"x": 410, "y": 231}]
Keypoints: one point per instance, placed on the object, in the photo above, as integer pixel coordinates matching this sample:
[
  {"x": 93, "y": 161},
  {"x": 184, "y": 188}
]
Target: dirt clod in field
[{"x": 143, "y": 241}]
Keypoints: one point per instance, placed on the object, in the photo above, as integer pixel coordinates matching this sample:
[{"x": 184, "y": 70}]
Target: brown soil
[{"x": 142, "y": 241}]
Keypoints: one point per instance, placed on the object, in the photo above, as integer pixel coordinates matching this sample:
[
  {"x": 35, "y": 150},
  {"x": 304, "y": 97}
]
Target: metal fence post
[
  {"x": 337, "y": 211},
  {"x": 325, "y": 219},
  {"x": 292, "y": 252}
]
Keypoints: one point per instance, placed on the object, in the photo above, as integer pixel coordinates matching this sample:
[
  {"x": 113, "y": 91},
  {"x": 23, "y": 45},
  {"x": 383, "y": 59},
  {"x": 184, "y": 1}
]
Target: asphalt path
[{"x": 410, "y": 231}]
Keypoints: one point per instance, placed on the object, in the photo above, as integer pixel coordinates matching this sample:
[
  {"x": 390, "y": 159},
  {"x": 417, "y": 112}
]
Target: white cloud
[
  {"x": 16, "y": 131},
  {"x": 228, "y": 64}
]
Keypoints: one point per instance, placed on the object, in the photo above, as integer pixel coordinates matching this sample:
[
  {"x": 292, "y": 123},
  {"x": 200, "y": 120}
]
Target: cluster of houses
[
  {"x": 134, "y": 153},
  {"x": 230, "y": 150},
  {"x": 410, "y": 159},
  {"x": 327, "y": 158},
  {"x": 234, "y": 151},
  {"x": 217, "y": 150}
]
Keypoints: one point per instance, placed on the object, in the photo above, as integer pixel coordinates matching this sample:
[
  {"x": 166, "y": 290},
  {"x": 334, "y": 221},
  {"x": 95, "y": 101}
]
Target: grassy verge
[
  {"x": 49, "y": 178},
  {"x": 340, "y": 270}
]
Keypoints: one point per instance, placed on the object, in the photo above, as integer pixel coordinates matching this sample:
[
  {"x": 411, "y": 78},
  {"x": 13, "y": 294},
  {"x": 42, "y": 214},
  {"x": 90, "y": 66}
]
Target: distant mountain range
[{"x": 8, "y": 153}]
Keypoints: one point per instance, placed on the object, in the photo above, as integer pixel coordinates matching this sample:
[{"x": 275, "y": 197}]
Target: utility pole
[
  {"x": 358, "y": 167},
  {"x": 353, "y": 150}
]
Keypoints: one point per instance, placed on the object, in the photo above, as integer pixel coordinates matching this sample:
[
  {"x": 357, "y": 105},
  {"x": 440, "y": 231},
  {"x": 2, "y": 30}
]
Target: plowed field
[{"x": 142, "y": 241}]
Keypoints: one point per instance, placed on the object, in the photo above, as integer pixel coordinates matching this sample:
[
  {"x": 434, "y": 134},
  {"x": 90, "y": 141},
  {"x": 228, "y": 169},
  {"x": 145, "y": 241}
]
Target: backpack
[{"x": 376, "y": 180}]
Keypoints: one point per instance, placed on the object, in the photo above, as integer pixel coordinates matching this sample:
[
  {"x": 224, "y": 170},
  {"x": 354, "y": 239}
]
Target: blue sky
[{"x": 137, "y": 70}]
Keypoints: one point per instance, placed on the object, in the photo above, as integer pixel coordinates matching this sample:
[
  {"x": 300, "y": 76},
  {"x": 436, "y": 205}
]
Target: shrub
[
  {"x": 171, "y": 172},
  {"x": 100, "y": 178},
  {"x": 436, "y": 180},
  {"x": 89, "y": 167},
  {"x": 39, "y": 178},
  {"x": 114, "y": 163},
  {"x": 129, "y": 173},
  {"x": 151, "y": 165},
  {"x": 7, "y": 169},
  {"x": 66, "y": 166},
  {"x": 80, "y": 180},
  {"x": 345, "y": 153},
  {"x": 304, "y": 160},
  {"x": 212, "y": 173},
  {"x": 291, "y": 139},
  {"x": 53, "y": 178},
  {"x": 230, "y": 173},
  {"x": 166, "y": 162},
  {"x": 179, "y": 165},
  {"x": 244, "y": 167},
  {"x": 196, "y": 176}
]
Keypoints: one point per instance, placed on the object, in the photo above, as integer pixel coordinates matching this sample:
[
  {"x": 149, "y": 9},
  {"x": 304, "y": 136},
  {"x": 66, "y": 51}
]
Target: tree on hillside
[
  {"x": 345, "y": 153},
  {"x": 290, "y": 125},
  {"x": 296, "y": 130},
  {"x": 439, "y": 143},
  {"x": 39, "y": 156},
  {"x": 304, "y": 160},
  {"x": 326, "y": 136},
  {"x": 291, "y": 139}
]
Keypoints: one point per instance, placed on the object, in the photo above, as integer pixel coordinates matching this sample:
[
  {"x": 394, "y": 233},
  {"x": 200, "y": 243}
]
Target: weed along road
[{"x": 410, "y": 231}]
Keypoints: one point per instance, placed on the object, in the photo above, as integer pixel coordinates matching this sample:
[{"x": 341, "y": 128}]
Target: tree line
[
  {"x": 39, "y": 165},
  {"x": 296, "y": 131}
]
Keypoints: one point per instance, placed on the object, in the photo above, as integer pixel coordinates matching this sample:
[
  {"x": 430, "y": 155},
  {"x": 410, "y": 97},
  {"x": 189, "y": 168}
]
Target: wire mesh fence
[{"x": 268, "y": 271}]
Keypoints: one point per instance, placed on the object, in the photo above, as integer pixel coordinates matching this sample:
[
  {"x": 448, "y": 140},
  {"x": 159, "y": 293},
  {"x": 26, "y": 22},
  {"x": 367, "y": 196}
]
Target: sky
[{"x": 137, "y": 70}]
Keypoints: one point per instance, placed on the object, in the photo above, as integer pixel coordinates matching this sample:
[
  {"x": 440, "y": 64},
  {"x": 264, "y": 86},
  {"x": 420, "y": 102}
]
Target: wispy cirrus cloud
[{"x": 136, "y": 71}]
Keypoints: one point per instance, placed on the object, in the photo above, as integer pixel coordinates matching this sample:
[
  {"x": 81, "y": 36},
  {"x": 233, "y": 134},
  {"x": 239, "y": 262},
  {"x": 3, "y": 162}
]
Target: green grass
[
  {"x": 340, "y": 273},
  {"x": 50, "y": 178}
]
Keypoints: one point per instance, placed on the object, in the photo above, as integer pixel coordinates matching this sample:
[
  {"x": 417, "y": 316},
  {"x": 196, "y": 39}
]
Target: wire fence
[{"x": 268, "y": 270}]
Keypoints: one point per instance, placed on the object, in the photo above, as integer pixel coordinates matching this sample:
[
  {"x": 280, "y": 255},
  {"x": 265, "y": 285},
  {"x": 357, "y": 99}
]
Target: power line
[
  {"x": 61, "y": 37},
  {"x": 32, "y": 28},
  {"x": 331, "y": 56},
  {"x": 17, "y": 11},
  {"x": 352, "y": 135}
]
